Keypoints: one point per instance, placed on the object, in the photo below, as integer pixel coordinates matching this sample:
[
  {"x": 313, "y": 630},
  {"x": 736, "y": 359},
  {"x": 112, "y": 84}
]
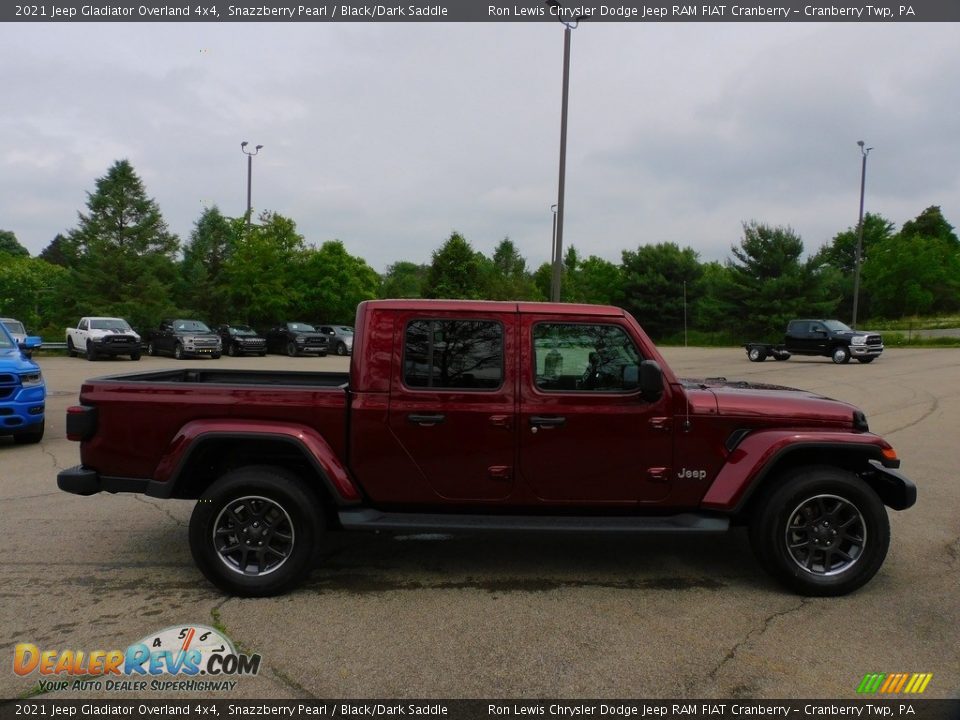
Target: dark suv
[
  {"x": 296, "y": 338},
  {"x": 184, "y": 338},
  {"x": 241, "y": 340}
]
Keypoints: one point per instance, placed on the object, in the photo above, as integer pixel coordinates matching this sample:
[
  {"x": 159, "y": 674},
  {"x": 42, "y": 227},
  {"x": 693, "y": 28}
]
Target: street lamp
[
  {"x": 569, "y": 24},
  {"x": 243, "y": 147},
  {"x": 553, "y": 239},
  {"x": 858, "y": 256}
]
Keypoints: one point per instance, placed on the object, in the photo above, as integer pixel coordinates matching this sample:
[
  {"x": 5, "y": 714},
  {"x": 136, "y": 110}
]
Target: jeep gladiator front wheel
[
  {"x": 821, "y": 531},
  {"x": 255, "y": 532}
]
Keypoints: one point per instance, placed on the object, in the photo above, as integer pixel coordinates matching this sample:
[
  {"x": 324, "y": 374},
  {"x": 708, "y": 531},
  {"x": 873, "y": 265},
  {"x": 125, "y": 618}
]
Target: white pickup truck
[{"x": 96, "y": 336}]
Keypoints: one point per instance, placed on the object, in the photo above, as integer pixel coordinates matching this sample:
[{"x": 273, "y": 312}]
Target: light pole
[
  {"x": 553, "y": 241},
  {"x": 243, "y": 147},
  {"x": 857, "y": 257},
  {"x": 569, "y": 24}
]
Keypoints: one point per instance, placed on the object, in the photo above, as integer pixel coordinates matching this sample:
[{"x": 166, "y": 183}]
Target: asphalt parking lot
[{"x": 506, "y": 617}]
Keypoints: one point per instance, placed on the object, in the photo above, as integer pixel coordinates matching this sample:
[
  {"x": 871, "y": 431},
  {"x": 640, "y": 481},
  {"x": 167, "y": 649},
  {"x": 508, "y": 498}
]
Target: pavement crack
[
  {"x": 53, "y": 458},
  {"x": 160, "y": 508},
  {"x": 754, "y": 634}
]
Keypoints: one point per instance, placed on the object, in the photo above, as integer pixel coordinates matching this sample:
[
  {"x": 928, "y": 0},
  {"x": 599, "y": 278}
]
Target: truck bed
[
  {"x": 141, "y": 414},
  {"x": 297, "y": 378}
]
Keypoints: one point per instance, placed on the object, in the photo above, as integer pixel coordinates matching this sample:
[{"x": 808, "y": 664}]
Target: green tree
[
  {"x": 404, "y": 280},
  {"x": 126, "y": 255},
  {"x": 204, "y": 289},
  {"x": 767, "y": 284},
  {"x": 264, "y": 271},
  {"x": 508, "y": 275},
  {"x": 334, "y": 283},
  {"x": 455, "y": 272},
  {"x": 660, "y": 284},
  {"x": 31, "y": 291},
  {"x": 840, "y": 255},
  {"x": 9, "y": 245},
  {"x": 916, "y": 271},
  {"x": 61, "y": 251},
  {"x": 931, "y": 224}
]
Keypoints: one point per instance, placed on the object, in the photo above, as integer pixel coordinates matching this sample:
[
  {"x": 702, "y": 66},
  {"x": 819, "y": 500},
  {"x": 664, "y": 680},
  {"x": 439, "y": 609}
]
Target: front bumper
[
  {"x": 21, "y": 409},
  {"x": 117, "y": 348},
  {"x": 895, "y": 489},
  {"x": 866, "y": 350}
]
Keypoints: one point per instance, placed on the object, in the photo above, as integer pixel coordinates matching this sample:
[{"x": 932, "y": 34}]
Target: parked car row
[{"x": 185, "y": 338}]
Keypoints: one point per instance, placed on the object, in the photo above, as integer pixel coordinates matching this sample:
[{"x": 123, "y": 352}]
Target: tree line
[{"x": 122, "y": 260}]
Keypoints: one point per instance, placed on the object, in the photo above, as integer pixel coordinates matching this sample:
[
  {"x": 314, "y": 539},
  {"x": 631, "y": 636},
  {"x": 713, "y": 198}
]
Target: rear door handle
[
  {"x": 547, "y": 422},
  {"x": 426, "y": 420}
]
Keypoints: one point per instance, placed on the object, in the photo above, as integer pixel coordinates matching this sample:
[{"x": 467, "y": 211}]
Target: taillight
[{"x": 81, "y": 422}]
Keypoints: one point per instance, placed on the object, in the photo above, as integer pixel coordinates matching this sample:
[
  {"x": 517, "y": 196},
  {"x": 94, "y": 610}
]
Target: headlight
[
  {"x": 859, "y": 340},
  {"x": 32, "y": 379}
]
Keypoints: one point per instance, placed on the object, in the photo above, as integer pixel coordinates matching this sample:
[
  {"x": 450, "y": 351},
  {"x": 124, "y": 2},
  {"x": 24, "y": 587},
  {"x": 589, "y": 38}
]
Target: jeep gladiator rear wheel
[
  {"x": 255, "y": 532},
  {"x": 821, "y": 531}
]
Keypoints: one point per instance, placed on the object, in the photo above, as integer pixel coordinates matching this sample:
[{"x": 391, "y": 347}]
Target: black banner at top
[{"x": 478, "y": 11}]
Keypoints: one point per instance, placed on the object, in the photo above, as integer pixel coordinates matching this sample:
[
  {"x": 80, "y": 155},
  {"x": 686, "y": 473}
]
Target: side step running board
[{"x": 369, "y": 519}]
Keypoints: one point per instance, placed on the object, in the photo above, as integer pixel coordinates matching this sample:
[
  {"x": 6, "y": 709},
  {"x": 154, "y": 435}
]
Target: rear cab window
[{"x": 453, "y": 354}]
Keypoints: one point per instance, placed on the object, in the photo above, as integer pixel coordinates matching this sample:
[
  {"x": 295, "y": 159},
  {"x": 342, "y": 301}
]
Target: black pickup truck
[{"x": 825, "y": 338}]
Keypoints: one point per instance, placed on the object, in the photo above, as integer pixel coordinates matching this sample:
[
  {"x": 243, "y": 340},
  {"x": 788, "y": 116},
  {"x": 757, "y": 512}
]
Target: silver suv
[{"x": 339, "y": 337}]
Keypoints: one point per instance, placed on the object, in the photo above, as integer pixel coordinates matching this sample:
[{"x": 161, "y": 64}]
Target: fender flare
[
  {"x": 751, "y": 461},
  {"x": 195, "y": 434}
]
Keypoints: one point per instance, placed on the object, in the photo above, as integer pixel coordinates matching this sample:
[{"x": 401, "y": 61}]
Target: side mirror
[
  {"x": 651, "y": 381},
  {"x": 31, "y": 342}
]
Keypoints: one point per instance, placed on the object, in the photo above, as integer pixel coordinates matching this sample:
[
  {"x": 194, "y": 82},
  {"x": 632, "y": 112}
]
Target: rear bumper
[{"x": 81, "y": 480}]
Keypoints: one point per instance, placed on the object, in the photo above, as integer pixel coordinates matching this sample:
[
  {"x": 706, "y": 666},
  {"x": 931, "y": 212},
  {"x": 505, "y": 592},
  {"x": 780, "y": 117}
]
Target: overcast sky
[{"x": 390, "y": 136}]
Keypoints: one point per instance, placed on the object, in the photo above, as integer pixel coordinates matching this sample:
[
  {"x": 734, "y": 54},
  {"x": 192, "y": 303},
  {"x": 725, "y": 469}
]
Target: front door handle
[
  {"x": 547, "y": 422},
  {"x": 426, "y": 420}
]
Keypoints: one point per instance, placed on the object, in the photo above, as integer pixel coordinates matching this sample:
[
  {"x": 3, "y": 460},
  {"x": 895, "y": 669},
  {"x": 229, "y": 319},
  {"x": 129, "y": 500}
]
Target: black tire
[
  {"x": 291, "y": 349},
  {"x": 866, "y": 360},
  {"x": 151, "y": 350},
  {"x": 251, "y": 506},
  {"x": 91, "y": 351},
  {"x": 215, "y": 356},
  {"x": 232, "y": 349},
  {"x": 341, "y": 349},
  {"x": 30, "y": 437},
  {"x": 821, "y": 531},
  {"x": 71, "y": 350},
  {"x": 781, "y": 356},
  {"x": 756, "y": 354},
  {"x": 178, "y": 351},
  {"x": 263, "y": 353},
  {"x": 840, "y": 355},
  {"x": 135, "y": 356}
]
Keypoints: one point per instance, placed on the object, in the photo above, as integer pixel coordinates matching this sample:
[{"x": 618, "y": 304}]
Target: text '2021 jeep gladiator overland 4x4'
[{"x": 469, "y": 416}]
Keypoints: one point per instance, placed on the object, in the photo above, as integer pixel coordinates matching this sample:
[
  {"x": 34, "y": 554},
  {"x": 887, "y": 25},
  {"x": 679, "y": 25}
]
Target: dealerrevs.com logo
[
  {"x": 182, "y": 652},
  {"x": 894, "y": 683}
]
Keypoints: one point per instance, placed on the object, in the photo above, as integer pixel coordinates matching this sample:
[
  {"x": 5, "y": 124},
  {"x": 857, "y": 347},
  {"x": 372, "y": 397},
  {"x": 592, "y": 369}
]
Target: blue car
[{"x": 22, "y": 390}]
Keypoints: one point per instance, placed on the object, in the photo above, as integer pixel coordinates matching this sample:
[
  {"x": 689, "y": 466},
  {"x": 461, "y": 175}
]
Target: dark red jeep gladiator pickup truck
[{"x": 470, "y": 416}]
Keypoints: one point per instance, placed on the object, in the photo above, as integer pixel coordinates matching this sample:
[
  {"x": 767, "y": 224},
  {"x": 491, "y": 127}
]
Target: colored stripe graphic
[{"x": 893, "y": 683}]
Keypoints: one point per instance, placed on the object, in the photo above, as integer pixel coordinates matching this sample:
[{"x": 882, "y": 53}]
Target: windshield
[
  {"x": 15, "y": 326},
  {"x": 242, "y": 330},
  {"x": 109, "y": 324},
  {"x": 836, "y": 326},
  {"x": 343, "y": 330},
  {"x": 190, "y": 326},
  {"x": 5, "y": 341},
  {"x": 301, "y": 327}
]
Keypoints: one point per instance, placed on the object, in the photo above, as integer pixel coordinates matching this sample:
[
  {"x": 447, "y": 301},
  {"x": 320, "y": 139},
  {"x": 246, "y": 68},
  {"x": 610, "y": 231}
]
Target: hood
[
  {"x": 741, "y": 399},
  {"x": 12, "y": 360}
]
